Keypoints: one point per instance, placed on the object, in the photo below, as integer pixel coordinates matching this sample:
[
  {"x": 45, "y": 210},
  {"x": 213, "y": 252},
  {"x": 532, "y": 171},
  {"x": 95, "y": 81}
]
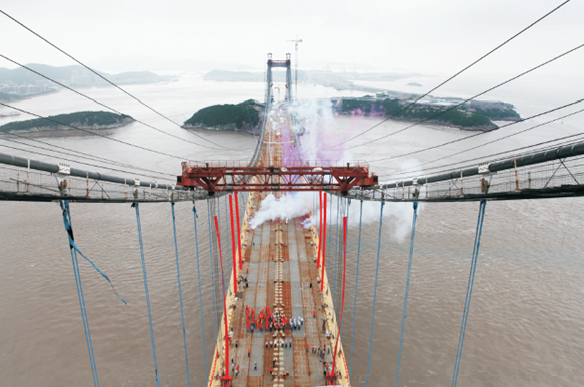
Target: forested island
[
  {"x": 81, "y": 120},
  {"x": 242, "y": 117},
  {"x": 476, "y": 115}
]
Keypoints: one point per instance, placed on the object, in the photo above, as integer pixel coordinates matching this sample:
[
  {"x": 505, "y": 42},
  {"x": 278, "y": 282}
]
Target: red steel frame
[
  {"x": 319, "y": 228},
  {"x": 323, "y": 244},
  {"x": 238, "y": 231},
  {"x": 233, "y": 245},
  {"x": 295, "y": 178}
]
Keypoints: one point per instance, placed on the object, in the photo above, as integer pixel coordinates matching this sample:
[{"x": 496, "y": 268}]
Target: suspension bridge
[
  {"x": 281, "y": 314},
  {"x": 278, "y": 299}
]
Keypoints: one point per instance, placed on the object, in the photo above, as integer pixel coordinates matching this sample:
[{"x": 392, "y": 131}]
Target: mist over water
[{"x": 525, "y": 322}]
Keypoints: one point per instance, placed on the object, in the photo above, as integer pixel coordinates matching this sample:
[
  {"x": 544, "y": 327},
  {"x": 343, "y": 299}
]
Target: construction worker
[
  {"x": 248, "y": 352},
  {"x": 255, "y": 365}
]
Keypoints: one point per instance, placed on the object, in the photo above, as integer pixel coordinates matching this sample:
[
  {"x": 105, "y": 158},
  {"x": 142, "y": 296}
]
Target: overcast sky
[{"x": 427, "y": 36}]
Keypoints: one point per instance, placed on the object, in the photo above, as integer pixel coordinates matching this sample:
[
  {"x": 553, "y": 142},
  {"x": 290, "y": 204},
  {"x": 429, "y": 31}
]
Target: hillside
[
  {"x": 227, "y": 117},
  {"x": 463, "y": 117},
  {"x": 83, "y": 120}
]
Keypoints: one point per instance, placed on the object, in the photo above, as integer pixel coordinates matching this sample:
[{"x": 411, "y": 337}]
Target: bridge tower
[{"x": 269, "y": 80}]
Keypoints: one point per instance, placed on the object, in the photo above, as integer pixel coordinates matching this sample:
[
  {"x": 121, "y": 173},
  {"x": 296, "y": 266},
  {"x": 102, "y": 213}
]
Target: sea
[{"x": 526, "y": 318}]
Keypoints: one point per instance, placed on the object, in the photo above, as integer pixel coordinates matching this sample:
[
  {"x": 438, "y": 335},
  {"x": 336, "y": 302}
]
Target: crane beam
[{"x": 294, "y": 178}]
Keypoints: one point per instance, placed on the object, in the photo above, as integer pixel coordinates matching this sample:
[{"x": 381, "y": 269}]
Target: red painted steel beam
[
  {"x": 323, "y": 244},
  {"x": 238, "y": 231},
  {"x": 233, "y": 245},
  {"x": 229, "y": 179},
  {"x": 319, "y": 229}
]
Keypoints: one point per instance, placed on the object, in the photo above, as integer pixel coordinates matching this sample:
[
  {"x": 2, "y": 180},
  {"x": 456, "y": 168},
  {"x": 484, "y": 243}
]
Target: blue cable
[
  {"x": 212, "y": 271},
  {"x": 458, "y": 349},
  {"x": 195, "y": 216},
  {"x": 80, "y": 295},
  {"x": 466, "y": 298},
  {"x": 182, "y": 313},
  {"x": 67, "y": 214},
  {"x": 375, "y": 291},
  {"x": 356, "y": 284},
  {"x": 136, "y": 205},
  {"x": 469, "y": 289},
  {"x": 401, "y": 337},
  {"x": 74, "y": 246}
]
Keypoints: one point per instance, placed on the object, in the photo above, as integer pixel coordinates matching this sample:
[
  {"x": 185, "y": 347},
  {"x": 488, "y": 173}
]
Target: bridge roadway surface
[{"x": 283, "y": 281}]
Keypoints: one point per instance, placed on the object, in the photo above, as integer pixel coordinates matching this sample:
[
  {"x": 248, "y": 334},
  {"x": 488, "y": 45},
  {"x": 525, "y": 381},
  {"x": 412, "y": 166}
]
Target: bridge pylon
[{"x": 287, "y": 64}]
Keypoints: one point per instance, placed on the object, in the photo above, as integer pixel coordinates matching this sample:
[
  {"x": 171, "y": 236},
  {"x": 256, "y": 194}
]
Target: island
[
  {"x": 79, "y": 120},
  {"x": 243, "y": 117},
  {"x": 473, "y": 115},
  {"x": 414, "y": 84}
]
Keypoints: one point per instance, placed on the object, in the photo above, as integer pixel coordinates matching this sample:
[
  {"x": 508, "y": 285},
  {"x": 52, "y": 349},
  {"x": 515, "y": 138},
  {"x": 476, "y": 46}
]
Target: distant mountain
[
  {"x": 338, "y": 80},
  {"x": 74, "y": 75}
]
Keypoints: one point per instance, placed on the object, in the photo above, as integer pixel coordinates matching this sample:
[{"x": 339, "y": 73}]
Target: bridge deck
[
  {"x": 299, "y": 300},
  {"x": 280, "y": 266}
]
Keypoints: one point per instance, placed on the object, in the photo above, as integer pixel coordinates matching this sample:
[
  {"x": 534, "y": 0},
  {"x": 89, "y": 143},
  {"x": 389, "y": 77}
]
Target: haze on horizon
[{"x": 423, "y": 36}]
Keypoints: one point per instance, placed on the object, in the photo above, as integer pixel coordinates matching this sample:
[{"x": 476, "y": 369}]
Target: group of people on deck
[{"x": 267, "y": 320}]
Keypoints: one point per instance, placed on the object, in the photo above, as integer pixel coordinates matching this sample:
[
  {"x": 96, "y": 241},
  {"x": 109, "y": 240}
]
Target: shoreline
[
  {"x": 62, "y": 128},
  {"x": 432, "y": 122}
]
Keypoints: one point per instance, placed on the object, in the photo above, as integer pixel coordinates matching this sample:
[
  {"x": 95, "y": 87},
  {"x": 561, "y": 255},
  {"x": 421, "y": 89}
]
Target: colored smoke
[
  {"x": 314, "y": 121},
  {"x": 314, "y": 125}
]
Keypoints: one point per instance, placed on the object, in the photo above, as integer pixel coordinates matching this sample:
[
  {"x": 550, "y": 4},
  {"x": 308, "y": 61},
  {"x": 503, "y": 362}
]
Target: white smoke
[
  {"x": 397, "y": 217},
  {"x": 321, "y": 132},
  {"x": 289, "y": 206}
]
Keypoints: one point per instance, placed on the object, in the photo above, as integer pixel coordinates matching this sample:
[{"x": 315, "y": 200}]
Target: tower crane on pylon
[{"x": 296, "y": 41}]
